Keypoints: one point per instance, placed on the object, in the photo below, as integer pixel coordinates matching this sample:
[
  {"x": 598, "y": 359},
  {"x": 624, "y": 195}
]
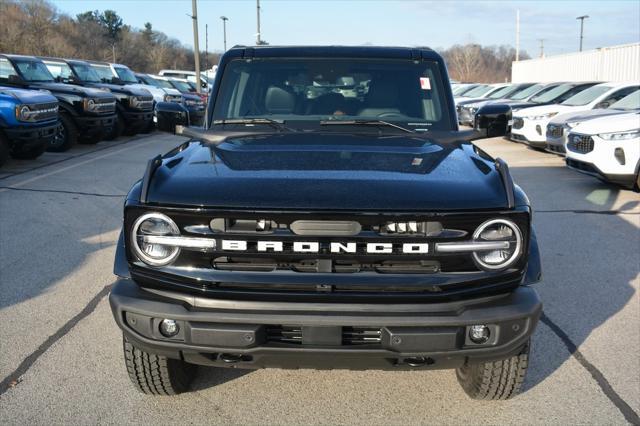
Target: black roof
[{"x": 335, "y": 51}]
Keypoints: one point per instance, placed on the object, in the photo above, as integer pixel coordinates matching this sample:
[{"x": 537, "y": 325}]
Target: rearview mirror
[
  {"x": 15, "y": 79},
  {"x": 169, "y": 115},
  {"x": 493, "y": 120},
  {"x": 603, "y": 105}
]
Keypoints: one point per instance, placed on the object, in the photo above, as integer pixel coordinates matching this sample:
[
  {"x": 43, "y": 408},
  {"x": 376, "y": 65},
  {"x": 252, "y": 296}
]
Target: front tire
[
  {"x": 67, "y": 136},
  {"x": 5, "y": 149},
  {"x": 155, "y": 374},
  {"x": 495, "y": 380}
]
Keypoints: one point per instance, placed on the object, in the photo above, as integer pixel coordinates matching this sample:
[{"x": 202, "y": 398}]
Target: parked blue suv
[{"x": 28, "y": 122}]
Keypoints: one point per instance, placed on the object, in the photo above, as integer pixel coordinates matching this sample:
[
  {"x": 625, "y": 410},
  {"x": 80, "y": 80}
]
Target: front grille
[
  {"x": 518, "y": 123},
  {"x": 554, "y": 131},
  {"x": 105, "y": 106},
  {"x": 43, "y": 112},
  {"x": 145, "y": 102},
  {"x": 582, "y": 144},
  {"x": 351, "y": 336}
]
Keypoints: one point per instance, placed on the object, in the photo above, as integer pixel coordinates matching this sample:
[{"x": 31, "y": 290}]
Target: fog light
[
  {"x": 619, "y": 154},
  {"x": 169, "y": 327},
  {"x": 478, "y": 334}
]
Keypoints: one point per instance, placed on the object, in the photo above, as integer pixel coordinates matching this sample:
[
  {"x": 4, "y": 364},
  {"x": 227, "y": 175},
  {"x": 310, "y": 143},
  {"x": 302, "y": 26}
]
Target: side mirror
[
  {"x": 15, "y": 79},
  {"x": 169, "y": 115},
  {"x": 493, "y": 120},
  {"x": 116, "y": 80},
  {"x": 603, "y": 105}
]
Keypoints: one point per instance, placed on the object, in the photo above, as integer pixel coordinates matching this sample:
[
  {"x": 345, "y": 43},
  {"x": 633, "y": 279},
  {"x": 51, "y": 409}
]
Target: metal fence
[{"x": 616, "y": 63}]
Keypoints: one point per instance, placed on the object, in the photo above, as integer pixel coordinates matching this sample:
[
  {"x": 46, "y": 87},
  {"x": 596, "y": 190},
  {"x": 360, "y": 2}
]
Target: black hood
[
  {"x": 125, "y": 90},
  {"x": 329, "y": 171}
]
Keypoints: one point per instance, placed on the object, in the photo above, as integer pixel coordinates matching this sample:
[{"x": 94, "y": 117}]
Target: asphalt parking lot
[{"x": 61, "y": 358}]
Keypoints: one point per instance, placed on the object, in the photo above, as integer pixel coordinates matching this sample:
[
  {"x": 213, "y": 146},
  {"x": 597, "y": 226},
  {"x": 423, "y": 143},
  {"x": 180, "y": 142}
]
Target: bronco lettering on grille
[{"x": 315, "y": 247}]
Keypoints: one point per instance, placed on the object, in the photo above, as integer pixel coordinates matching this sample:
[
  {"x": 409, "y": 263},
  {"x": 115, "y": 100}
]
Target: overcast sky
[{"x": 404, "y": 23}]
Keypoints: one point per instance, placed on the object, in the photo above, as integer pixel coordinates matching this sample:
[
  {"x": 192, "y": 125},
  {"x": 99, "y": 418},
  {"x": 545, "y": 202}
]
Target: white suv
[
  {"x": 608, "y": 148},
  {"x": 530, "y": 124}
]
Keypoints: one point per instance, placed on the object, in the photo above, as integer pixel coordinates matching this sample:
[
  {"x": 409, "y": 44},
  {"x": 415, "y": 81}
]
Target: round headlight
[
  {"x": 91, "y": 103},
  {"x": 24, "y": 112},
  {"x": 149, "y": 225},
  {"x": 497, "y": 230}
]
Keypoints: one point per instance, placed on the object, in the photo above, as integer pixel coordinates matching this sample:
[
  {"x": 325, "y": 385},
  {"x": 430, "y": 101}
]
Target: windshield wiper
[
  {"x": 273, "y": 123},
  {"x": 365, "y": 123}
]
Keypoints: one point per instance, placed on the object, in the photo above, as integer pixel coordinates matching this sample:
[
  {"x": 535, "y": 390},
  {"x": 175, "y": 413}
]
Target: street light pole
[
  {"x": 224, "y": 30},
  {"x": 196, "y": 48},
  {"x": 582, "y": 18},
  {"x": 258, "y": 15}
]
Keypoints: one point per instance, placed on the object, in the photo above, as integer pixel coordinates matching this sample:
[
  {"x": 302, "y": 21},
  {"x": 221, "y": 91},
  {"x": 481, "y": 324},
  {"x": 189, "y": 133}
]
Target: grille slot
[
  {"x": 351, "y": 336},
  {"x": 105, "y": 106},
  {"x": 581, "y": 144},
  {"x": 518, "y": 123}
]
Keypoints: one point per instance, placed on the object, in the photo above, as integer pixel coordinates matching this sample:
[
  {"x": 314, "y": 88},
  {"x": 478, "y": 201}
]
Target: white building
[{"x": 616, "y": 63}]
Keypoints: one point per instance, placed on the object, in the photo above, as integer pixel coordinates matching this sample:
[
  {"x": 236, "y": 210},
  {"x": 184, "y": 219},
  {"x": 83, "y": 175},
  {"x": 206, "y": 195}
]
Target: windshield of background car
[
  {"x": 181, "y": 85},
  {"x": 318, "y": 89},
  {"x": 104, "y": 72},
  {"x": 34, "y": 71},
  {"x": 501, "y": 93},
  {"x": 629, "y": 102},
  {"x": 157, "y": 82},
  {"x": 524, "y": 94},
  {"x": 552, "y": 94},
  {"x": 86, "y": 73},
  {"x": 125, "y": 74},
  {"x": 59, "y": 70},
  {"x": 586, "y": 96},
  {"x": 478, "y": 91}
]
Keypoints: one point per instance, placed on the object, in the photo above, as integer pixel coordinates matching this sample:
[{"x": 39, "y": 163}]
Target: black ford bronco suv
[{"x": 355, "y": 227}]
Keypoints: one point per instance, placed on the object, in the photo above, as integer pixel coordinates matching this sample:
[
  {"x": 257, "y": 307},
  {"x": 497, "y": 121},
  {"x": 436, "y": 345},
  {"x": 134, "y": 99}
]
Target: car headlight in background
[
  {"x": 620, "y": 136},
  {"x": 156, "y": 240},
  {"x": 90, "y": 105},
  {"x": 136, "y": 102},
  {"x": 193, "y": 102},
  {"x": 541, "y": 116},
  {"x": 172, "y": 98},
  {"x": 498, "y": 230},
  {"x": 24, "y": 113}
]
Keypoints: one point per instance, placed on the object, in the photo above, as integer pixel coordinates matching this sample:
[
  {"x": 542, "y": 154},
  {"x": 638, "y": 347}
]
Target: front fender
[
  {"x": 120, "y": 264},
  {"x": 534, "y": 264}
]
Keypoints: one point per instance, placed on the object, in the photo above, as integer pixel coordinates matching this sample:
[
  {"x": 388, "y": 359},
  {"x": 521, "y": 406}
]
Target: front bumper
[
  {"x": 95, "y": 126},
  {"x": 556, "y": 145},
  {"x": 27, "y": 137},
  {"x": 237, "y": 333},
  {"x": 531, "y": 133},
  {"x": 601, "y": 161},
  {"x": 137, "y": 119}
]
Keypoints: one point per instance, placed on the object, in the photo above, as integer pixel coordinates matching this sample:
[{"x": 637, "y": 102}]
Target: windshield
[
  {"x": 59, "y": 70},
  {"x": 156, "y": 82},
  {"x": 315, "y": 90},
  {"x": 85, "y": 73},
  {"x": 501, "y": 93},
  {"x": 34, "y": 71},
  {"x": 103, "y": 72},
  {"x": 586, "y": 96},
  {"x": 629, "y": 102},
  {"x": 181, "y": 86},
  {"x": 552, "y": 94},
  {"x": 477, "y": 92},
  {"x": 527, "y": 92},
  {"x": 125, "y": 75}
]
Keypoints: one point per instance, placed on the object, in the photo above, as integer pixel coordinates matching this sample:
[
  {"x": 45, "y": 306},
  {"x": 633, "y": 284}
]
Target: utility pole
[
  {"x": 517, "y": 35},
  {"x": 224, "y": 30},
  {"x": 541, "y": 40},
  {"x": 258, "y": 15},
  {"x": 196, "y": 49},
  {"x": 206, "y": 48},
  {"x": 582, "y": 18}
]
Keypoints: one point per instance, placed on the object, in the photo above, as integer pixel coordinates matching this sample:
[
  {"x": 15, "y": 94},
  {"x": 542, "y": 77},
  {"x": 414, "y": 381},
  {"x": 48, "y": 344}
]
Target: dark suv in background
[
  {"x": 134, "y": 113},
  {"x": 87, "y": 115}
]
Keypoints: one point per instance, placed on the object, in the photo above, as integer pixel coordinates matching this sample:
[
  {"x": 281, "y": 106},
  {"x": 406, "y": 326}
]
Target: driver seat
[{"x": 382, "y": 98}]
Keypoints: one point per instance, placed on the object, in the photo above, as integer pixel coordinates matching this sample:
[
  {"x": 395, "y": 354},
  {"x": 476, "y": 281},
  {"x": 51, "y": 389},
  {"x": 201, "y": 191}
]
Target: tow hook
[
  {"x": 418, "y": 361},
  {"x": 230, "y": 358}
]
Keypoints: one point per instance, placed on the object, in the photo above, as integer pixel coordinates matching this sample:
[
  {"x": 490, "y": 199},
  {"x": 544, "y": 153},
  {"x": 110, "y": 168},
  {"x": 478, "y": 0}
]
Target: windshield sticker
[{"x": 425, "y": 83}]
